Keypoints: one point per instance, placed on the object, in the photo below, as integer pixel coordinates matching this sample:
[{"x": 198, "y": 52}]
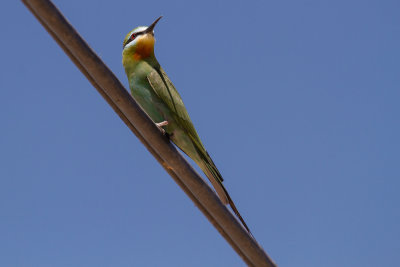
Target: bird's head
[{"x": 139, "y": 43}]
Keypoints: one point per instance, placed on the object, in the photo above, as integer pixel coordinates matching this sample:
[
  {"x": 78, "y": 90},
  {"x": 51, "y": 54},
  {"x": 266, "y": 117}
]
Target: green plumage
[{"x": 153, "y": 90}]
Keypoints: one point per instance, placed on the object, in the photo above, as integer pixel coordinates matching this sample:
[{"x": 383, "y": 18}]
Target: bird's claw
[{"x": 161, "y": 124}]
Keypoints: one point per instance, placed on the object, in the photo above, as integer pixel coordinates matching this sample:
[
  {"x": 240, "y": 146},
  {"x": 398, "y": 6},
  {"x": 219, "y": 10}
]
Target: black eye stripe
[{"x": 133, "y": 37}]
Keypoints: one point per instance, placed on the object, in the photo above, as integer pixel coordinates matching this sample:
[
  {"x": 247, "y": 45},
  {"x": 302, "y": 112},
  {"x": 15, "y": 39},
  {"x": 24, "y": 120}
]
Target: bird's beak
[{"x": 151, "y": 27}]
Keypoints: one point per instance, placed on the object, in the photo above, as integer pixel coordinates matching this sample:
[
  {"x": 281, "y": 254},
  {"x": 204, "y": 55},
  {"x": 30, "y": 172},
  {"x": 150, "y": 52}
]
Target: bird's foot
[{"x": 161, "y": 124}]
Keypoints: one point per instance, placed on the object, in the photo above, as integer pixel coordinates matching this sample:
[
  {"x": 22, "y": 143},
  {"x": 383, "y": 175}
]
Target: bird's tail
[{"x": 216, "y": 180}]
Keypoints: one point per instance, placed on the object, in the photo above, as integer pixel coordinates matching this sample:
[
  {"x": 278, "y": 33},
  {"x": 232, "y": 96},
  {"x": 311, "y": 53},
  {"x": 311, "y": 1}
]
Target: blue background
[{"x": 296, "y": 101}]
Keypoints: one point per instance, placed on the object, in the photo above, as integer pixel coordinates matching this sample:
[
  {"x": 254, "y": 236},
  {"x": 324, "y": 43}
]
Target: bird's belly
[
  {"x": 158, "y": 112},
  {"x": 150, "y": 104}
]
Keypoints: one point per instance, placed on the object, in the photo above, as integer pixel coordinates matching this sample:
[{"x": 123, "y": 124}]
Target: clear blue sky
[{"x": 296, "y": 101}]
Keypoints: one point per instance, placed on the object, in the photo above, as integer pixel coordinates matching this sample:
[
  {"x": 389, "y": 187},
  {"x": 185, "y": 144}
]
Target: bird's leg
[{"x": 161, "y": 124}]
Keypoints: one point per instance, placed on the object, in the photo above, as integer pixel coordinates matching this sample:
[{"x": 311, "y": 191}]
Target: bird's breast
[{"x": 144, "y": 47}]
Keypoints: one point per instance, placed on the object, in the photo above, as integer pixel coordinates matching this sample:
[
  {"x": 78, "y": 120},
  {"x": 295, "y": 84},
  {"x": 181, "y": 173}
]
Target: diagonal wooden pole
[
  {"x": 133, "y": 129},
  {"x": 142, "y": 126}
]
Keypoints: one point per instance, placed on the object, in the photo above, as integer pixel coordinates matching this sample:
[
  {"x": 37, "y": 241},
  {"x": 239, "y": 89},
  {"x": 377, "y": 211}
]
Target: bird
[{"x": 158, "y": 97}]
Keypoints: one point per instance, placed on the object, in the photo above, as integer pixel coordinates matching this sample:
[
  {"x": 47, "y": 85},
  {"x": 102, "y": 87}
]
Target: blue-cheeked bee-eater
[{"x": 155, "y": 93}]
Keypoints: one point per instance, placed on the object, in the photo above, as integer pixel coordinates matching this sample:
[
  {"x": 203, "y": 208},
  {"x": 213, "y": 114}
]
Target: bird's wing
[{"x": 167, "y": 92}]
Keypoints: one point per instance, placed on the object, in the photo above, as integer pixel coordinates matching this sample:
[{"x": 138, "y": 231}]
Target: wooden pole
[{"x": 142, "y": 126}]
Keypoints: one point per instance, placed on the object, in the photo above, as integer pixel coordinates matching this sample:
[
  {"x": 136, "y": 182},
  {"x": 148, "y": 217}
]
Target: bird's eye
[{"x": 132, "y": 37}]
